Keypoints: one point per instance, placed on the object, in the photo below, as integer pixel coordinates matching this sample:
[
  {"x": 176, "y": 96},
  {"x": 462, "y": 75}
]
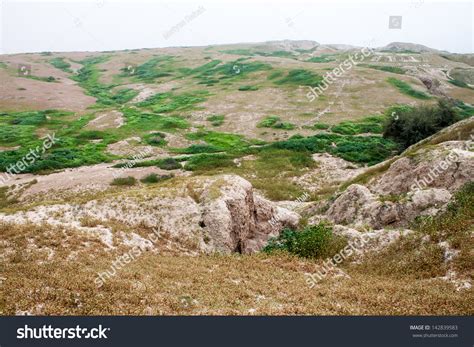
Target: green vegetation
[
  {"x": 71, "y": 149},
  {"x": 392, "y": 69},
  {"x": 410, "y": 125},
  {"x": 88, "y": 78},
  {"x": 240, "y": 51},
  {"x": 248, "y": 88},
  {"x": 360, "y": 149},
  {"x": 59, "y": 63},
  {"x": 405, "y": 88},
  {"x": 280, "y": 54},
  {"x": 124, "y": 181},
  {"x": 219, "y": 141},
  {"x": 171, "y": 102},
  {"x": 138, "y": 121},
  {"x": 316, "y": 241},
  {"x": 275, "y": 122},
  {"x": 216, "y": 120},
  {"x": 324, "y": 58},
  {"x": 3, "y": 65},
  {"x": 459, "y": 83},
  {"x": 154, "y": 178},
  {"x": 214, "y": 72},
  {"x": 454, "y": 225},
  {"x": 40, "y": 78},
  {"x": 164, "y": 164},
  {"x": 155, "y": 139},
  {"x": 275, "y": 74},
  {"x": 206, "y": 162},
  {"x": 321, "y": 126},
  {"x": 464, "y": 110},
  {"x": 373, "y": 124},
  {"x": 300, "y": 77},
  {"x": 149, "y": 71}
]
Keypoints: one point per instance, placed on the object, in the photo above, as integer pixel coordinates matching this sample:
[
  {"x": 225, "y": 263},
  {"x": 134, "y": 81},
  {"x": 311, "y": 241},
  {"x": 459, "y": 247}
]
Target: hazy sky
[{"x": 97, "y": 25}]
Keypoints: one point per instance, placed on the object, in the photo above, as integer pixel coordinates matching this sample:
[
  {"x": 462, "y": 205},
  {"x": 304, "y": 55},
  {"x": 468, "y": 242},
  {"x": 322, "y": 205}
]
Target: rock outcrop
[
  {"x": 414, "y": 185},
  {"x": 213, "y": 214}
]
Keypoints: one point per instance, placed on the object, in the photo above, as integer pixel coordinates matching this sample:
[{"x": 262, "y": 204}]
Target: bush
[
  {"x": 169, "y": 164},
  {"x": 248, "y": 88},
  {"x": 216, "y": 120},
  {"x": 314, "y": 241},
  {"x": 155, "y": 139},
  {"x": 321, "y": 126},
  {"x": 275, "y": 123},
  {"x": 124, "y": 181},
  {"x": 154, "y": 178},
  {"x": 409, "y": 125}
]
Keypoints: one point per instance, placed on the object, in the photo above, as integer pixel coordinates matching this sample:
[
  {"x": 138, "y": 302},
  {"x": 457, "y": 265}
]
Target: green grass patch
[
  {"x": 88, "y": 78},
  {"x": 154, "y": 178},
  {"x": 124, "y": 181},
  {"x": 324, "y": 58},
  {"x": 321, "y": 126},
  {"x": 406, "y": 89},
  {"x": 392, "y": 69},
  {"x": 373, "y": 124},
  {"x": 155, "y": 139},
  {"x": 248, "y": 88},
  {"x": 206, "y": 162},
  {"x": 216, "y": 120},
  {"x": 59, "y": 63},
  {"x": 275, "y": 122},
  {"x": 459, "y": 84},
  {"x": 152, "y": 69},
  {"x": 170, "y": 102},
  {"x": 300, "y": 77},
  {"x": 359, "y": 149},
  {"x": 220, "y": 141}
]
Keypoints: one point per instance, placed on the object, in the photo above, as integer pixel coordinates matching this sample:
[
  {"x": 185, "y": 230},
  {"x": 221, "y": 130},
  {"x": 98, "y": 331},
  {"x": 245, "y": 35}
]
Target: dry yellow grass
[{"x": 170, "y": 284}]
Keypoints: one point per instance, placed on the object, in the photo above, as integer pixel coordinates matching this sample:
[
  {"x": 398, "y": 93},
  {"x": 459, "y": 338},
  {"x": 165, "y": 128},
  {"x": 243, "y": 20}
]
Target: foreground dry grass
[{"x": 214, "y": 285}]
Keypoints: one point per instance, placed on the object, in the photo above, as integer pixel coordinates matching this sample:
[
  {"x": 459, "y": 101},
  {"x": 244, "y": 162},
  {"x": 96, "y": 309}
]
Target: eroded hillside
[{"x": 171, "y": 181}]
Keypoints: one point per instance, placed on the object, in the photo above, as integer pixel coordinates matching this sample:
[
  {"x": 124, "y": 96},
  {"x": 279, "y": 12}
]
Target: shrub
[
  {"x": 275, "y": 123},
  {"x": 216, "y": 120},
  {"x": 321, "y": 126},
  {"x": 372, "y": 124},
  {"x": 314, "y": 241},
  {"x": 169, "y": 164},
  {"x": 59, "y": 63},
  {"x": 248, "y": 88},
  {"x": 154, "y": 178},
  {"x": 412, "y": 124},
  {"x": 155, "y": 139},
  {"x": 124, "y": 181}
]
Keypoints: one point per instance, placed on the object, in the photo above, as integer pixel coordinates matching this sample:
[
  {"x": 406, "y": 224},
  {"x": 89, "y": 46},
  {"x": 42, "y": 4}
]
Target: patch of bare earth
[{"x": 106, "y": 120}]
